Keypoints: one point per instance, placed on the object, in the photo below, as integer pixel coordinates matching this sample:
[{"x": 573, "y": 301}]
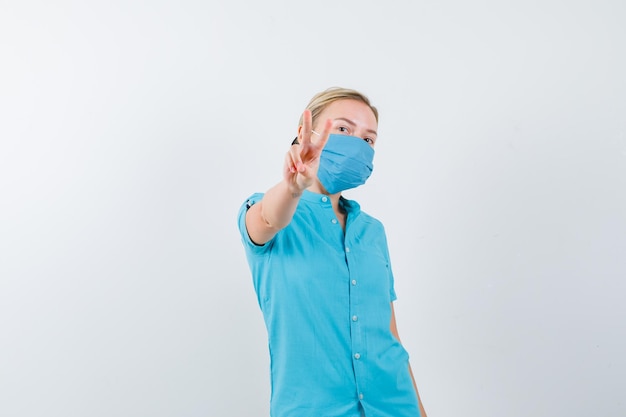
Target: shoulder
[
  {"x": 353, "y": 208},
  {"x": 361, "y": 217},
  {"x": 372, "y": 223}
]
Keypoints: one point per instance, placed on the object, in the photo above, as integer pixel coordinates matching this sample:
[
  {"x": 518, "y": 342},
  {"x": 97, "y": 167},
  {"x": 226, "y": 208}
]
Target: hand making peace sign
[{"x": 303, "y": 158}]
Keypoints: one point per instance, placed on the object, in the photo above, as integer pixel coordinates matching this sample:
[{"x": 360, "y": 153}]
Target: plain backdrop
[{"x": 132, "y": 131}]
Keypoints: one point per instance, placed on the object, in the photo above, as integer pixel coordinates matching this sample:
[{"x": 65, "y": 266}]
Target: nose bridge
[{"x": 361, "y": 132}]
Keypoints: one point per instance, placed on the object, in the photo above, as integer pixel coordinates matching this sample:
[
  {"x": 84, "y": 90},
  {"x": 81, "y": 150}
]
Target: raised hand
[{"x": 302, "y": 160}]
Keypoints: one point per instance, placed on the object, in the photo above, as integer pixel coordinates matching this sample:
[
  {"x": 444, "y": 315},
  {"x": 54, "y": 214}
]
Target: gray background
[{"x": 132, "y": 131}]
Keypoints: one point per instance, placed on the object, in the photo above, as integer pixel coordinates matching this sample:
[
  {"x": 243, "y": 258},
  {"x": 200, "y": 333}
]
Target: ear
[{"x": 299, "y": 129}]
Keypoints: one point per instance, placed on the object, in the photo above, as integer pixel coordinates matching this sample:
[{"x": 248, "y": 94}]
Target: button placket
[{"x": 357, "y": 355}]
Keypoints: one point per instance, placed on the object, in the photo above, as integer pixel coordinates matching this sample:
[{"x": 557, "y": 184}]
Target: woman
[{"x": 322, "y": 274}]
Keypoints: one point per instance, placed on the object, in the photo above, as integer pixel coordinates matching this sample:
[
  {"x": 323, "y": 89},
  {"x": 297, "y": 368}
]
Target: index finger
[{"x": 305, "y": 133}]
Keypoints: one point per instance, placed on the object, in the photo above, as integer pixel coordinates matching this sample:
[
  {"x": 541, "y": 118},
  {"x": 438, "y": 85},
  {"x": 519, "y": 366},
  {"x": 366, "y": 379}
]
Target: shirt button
[
  {"x": 354, "y": 282},
  {"x": 357, "y": 356},
  {"x": 334, "y": 221},
  {"x": 324, "y": 199},
  {"x": 347, "y": 249},
  {"x": 355, "y": 318},
  {"x": 360, "y": 396}
]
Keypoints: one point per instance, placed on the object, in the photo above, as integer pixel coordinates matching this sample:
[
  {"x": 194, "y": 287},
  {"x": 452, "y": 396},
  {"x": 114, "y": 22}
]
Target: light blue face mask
[{"x": 346, "y": 162}]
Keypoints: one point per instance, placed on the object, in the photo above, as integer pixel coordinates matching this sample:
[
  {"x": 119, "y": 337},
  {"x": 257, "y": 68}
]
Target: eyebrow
[{"x": 350, "y": 122}]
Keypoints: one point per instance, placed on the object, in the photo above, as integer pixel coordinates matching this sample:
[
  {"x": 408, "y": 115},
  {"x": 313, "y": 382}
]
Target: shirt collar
[{"x": 350, "y": 206}]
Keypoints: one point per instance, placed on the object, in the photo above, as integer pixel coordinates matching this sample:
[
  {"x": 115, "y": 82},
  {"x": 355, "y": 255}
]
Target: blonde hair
[{"x": 321, "y": 100}]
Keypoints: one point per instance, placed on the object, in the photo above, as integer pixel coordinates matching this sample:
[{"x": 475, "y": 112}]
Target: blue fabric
[
  {"x": 346, "y": 162},
  {"x": 326, "y": 301}
]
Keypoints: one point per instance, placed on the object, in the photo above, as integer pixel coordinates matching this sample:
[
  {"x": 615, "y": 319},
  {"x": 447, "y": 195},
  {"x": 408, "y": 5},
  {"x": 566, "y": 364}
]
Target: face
[{"x": 350, "y": 117}]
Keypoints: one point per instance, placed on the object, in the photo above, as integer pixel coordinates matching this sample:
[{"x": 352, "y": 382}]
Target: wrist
[{"x": 294, "y": 190}]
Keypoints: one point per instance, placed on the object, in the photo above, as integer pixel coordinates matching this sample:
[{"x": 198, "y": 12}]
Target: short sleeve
[
  {"x": 249, "y": 245},
  {"x": 392, "y": 290}
]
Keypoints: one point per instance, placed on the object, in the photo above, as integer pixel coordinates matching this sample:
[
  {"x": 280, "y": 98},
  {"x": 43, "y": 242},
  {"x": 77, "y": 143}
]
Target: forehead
[{"x": 354, "y": 110}]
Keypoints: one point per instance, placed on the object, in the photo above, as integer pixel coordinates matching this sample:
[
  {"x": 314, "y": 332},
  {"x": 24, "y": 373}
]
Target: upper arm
[{"x": 259, "y": 231}]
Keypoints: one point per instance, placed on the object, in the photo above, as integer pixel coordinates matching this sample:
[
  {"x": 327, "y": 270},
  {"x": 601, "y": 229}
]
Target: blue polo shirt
[{"x": 326, "y": 302}]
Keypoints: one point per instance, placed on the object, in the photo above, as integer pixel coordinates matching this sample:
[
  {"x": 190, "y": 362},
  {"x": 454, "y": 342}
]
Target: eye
[
  {"x": 369, "y": 140},
  {"x": 343, "y": 129}
]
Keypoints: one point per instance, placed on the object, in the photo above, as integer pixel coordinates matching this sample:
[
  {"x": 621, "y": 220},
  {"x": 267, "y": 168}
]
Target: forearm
[
  {"x": 394, "y": 331},
  {"x": 279, "y": 204},
  {"x": 422, "y": 411}
]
